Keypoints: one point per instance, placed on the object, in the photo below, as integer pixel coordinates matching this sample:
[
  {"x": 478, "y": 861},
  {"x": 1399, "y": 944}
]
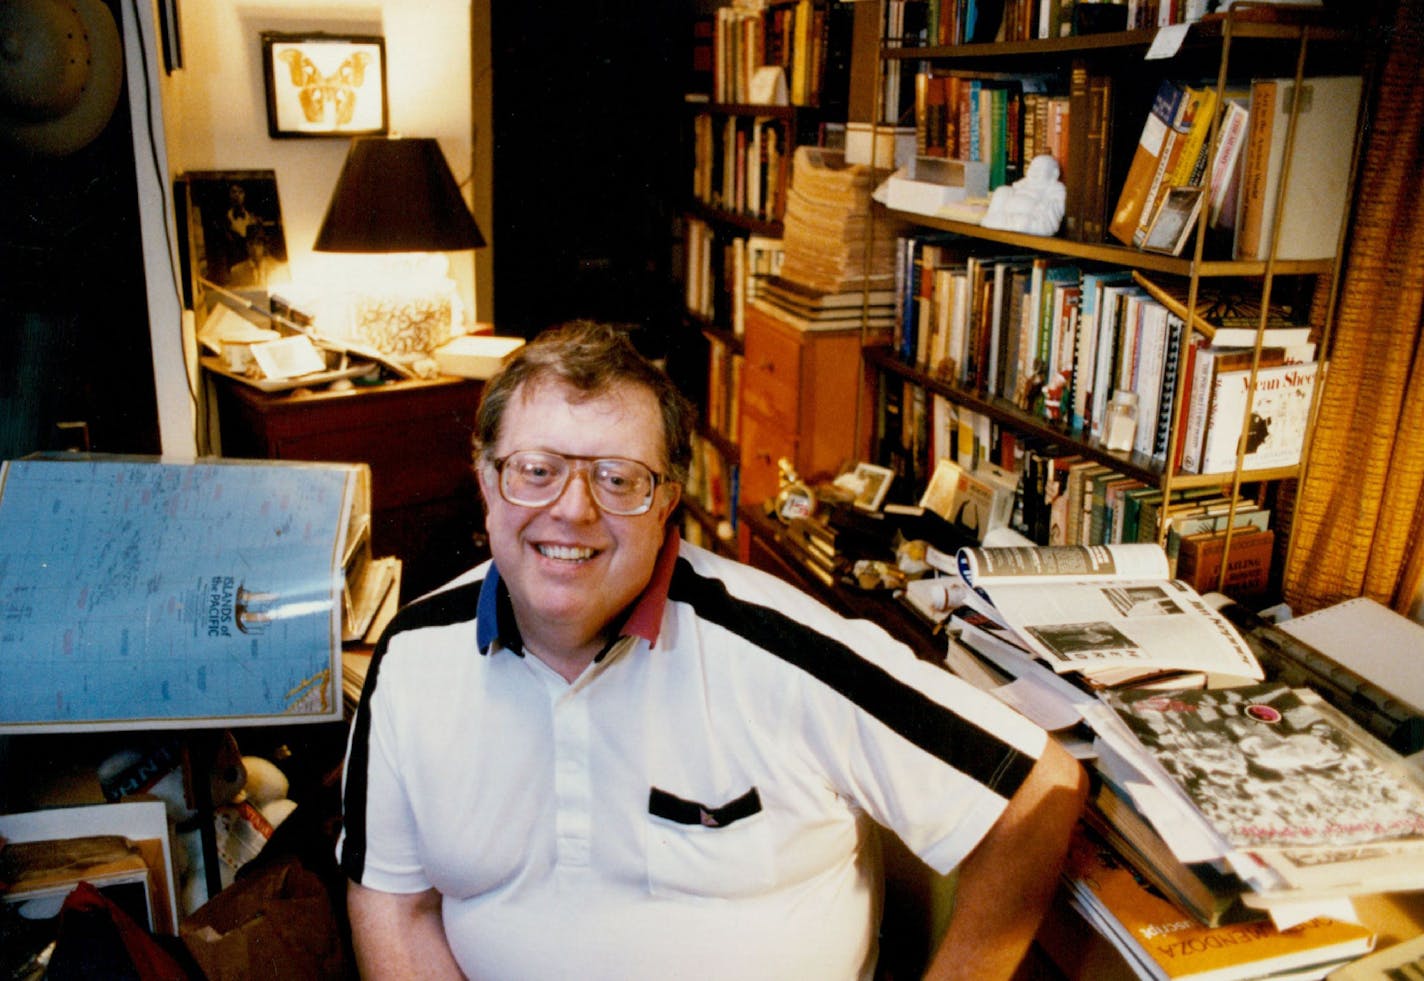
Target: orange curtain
[{"x": 1359, "y": 520}]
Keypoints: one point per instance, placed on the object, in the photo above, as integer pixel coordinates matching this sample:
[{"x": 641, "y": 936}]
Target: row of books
[
  {"x": 1006, "y": 121},
  {"x": 991, "y": 120},
  {"x": 724, "y": 390},
  {"x": 807, "y": 42},
  {"x": 1063, "y": 498},
  {"x": 1059, "y": 339},
  {"x": 712, "y": 482},
  {"x": 1071, "y": 500},
  {"x": 940, "y": 23},
  {"x": 740, "y": 164},
  {"x": 1176, "y": 170},
  {"x": 722, "y": 272}
]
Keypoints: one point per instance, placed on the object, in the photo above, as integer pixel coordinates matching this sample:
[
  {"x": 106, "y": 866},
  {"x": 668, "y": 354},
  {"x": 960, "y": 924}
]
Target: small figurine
[{"x": 1032, "y": 204}]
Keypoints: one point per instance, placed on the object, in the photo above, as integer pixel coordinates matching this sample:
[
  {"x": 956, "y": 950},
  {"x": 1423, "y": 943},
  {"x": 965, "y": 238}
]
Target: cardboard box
[{"x": 927, "y": 184}]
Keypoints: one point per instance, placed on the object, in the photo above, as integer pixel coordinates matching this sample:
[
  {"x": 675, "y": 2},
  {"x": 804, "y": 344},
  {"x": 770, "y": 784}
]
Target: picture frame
[
  {"x": 325, "y": 85},
  {"x": 1174, "y": 221},
  {"x": 230, "y": 233},
  {"x": 943, "y": 489},
  {"x": 874, "y": 483}
]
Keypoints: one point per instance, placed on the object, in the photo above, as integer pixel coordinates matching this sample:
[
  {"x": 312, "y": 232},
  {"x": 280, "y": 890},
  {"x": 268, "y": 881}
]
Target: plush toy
[{"x": 255, "y": 812}]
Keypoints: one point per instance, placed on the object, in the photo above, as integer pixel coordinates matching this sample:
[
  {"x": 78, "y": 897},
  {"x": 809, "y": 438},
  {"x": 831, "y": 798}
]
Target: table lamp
[{"x": 396, "y": 197}]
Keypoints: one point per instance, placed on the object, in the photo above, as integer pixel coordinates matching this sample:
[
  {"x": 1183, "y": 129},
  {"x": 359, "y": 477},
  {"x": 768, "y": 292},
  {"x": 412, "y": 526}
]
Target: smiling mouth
[{"x": 565, "y": 553}]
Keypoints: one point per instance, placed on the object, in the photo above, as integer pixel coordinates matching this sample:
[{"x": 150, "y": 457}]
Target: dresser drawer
[
  {"x": 771, "y": 375},
  {"x": 764, "y": 441}
]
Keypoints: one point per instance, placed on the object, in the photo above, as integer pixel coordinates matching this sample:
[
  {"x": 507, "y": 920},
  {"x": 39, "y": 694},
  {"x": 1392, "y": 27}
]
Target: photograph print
[{"x": 234, "y": 232}]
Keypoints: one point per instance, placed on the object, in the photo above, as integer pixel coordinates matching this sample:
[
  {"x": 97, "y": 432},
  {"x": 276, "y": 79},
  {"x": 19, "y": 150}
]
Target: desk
[
  {"x": 764, "y": 543},
  {"x": 415, "y": 435}
]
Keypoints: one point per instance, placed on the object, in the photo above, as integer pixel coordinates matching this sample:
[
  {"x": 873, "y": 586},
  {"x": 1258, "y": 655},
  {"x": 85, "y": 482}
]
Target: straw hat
[{"x": 61, "y": 67}]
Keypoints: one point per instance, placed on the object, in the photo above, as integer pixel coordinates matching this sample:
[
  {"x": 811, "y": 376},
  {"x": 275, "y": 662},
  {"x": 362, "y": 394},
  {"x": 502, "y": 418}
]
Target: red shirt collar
[{"x": 646, "y": 617}]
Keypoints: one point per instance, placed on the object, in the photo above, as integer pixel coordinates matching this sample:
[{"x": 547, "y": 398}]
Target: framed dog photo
[{"x": 324, "y": 84}]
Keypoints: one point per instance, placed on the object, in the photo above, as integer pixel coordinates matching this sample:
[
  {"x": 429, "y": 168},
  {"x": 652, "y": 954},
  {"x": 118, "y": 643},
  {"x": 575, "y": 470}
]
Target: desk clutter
[
  {"x": 1248, "y": 786},
  {"x": 1252, "y": 779},
  {"x": 277, "y": 344},
  {"x": 172, "y": 720}
]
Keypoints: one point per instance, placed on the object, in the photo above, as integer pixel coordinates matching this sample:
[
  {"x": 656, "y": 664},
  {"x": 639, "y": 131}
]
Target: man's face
[{"x": 569, "y": 566}]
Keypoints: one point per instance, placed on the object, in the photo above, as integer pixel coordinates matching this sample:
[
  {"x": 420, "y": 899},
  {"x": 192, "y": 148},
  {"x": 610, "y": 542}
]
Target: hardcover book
[
  {"x": 1248, "y": 570},
  {"x": 1316, "y": 195}
]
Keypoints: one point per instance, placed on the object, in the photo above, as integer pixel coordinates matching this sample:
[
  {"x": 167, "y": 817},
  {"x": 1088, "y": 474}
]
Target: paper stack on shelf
[{"x": 827, "y": 233}]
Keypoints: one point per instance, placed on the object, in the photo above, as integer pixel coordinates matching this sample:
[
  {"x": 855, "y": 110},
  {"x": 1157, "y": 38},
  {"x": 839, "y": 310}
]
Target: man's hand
[
  {"x": 399, "y": 936},
  {"x": 1007, "y": 881}
]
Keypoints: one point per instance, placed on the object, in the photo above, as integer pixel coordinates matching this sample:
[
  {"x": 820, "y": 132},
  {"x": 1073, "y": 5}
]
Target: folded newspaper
[{"x": 1087, "y": 609}]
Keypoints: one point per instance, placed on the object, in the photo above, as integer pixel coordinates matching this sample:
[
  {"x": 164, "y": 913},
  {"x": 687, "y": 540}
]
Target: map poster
[{"x": 136, "y": 592}]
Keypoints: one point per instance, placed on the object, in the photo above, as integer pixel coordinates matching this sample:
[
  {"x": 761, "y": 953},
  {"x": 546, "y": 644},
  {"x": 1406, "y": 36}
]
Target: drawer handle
[{"x": 769, "y": 367}]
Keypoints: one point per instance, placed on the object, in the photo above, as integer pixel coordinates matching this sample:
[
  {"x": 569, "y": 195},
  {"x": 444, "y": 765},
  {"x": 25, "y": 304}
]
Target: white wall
[
  {"x": 216, "y": 107},
  {"x": 215, "y": 115}
]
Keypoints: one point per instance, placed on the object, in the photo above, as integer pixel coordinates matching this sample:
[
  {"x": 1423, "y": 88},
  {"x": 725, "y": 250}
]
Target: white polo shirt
[{"x": 696, "y": 804}]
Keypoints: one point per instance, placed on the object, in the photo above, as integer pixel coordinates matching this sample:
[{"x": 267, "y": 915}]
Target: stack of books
[
  {"x": 787, "y": 299},
  {"x": 827, "y": 233}
]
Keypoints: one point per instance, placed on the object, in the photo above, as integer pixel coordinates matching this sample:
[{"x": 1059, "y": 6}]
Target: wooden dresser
[{"x": 801, "y": 392}]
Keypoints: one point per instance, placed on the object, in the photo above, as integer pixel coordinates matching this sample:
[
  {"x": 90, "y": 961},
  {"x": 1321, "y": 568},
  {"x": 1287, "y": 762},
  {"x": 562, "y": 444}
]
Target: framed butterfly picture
[{"x": 324, "y": 84}]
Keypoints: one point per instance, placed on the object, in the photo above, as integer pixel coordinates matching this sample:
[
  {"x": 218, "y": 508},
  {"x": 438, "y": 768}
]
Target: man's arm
[
  {"x": 1007, "y": 881},
  {"x": 399, "y": 936}
]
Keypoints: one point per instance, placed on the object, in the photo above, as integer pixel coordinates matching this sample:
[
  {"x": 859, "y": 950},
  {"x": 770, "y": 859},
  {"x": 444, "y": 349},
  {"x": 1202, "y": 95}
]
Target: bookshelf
[
  {"x": 763, "y": 81},
  {"x": 1222, "y": 54}
]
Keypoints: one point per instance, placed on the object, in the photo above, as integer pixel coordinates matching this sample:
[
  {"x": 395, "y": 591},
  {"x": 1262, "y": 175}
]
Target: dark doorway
[{"x": 587, "y": 162}]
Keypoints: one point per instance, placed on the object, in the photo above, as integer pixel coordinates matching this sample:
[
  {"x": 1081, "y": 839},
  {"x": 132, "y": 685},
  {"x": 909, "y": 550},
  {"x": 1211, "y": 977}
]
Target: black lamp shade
[{"x": 397, "y": 195}]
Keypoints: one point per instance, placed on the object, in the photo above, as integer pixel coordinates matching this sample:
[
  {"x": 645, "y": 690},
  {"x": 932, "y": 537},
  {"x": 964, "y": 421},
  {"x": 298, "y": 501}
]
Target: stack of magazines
[{"x": 1233, "y": 799}]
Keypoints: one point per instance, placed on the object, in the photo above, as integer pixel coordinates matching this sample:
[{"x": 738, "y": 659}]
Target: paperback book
[{"x": 1160, "y": 941}]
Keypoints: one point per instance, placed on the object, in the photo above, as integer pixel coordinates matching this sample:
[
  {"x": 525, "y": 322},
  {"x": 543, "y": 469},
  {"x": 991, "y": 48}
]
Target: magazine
[
  {"x": 1092, "y": 608},
  {"x": 1294, "y": 788}
]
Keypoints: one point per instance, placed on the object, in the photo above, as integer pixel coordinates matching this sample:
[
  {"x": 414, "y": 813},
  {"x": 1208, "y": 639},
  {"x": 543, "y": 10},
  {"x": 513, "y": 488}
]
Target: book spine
[
  {"x": 1225, "y": 170},
  {"x": 1075, "y": 168},
  {"x": 1255, "y": 176},
  {"x": 1203, "y": 377},
  {"x": 1166, "y": 415},
  {"x": 1095, "y": 186}
]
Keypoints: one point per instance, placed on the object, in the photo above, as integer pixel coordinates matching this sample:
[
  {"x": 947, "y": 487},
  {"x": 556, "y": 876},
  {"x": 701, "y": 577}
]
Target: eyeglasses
[{"x": 534, "y": 479}]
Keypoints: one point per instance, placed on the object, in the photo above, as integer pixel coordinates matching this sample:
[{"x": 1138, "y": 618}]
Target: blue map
[{"x": 135, "y": 592}]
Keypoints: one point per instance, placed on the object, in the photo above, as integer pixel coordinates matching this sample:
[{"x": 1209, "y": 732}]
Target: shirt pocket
[{"x": 708, "y": 850}]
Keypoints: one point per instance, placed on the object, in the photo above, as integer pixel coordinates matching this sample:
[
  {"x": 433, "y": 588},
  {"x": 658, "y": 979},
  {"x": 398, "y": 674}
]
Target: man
[{"x": 609, "y": 754}]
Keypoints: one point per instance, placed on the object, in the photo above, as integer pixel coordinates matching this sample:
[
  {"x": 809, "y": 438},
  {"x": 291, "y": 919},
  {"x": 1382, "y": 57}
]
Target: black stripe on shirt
[
  {"x": 441, "y": 609},
  {"x": 915, "y": 716}
]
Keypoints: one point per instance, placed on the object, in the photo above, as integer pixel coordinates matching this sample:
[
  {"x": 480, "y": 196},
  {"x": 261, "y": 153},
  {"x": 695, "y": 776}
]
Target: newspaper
[{"x": 1087, "y": 608}]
